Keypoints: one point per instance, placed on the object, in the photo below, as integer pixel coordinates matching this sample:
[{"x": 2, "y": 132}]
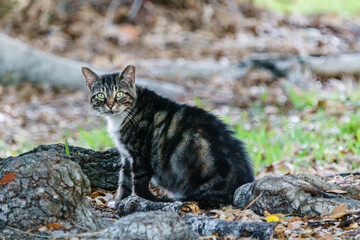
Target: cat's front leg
[{"x": 125, "y": 180}]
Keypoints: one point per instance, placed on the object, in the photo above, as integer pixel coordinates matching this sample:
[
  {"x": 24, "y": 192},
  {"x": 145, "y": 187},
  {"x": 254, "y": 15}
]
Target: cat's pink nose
[{"x": 110, "y": 106}]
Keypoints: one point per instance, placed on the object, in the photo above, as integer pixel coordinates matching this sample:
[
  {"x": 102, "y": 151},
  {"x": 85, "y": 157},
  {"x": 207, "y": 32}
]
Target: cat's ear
[
  {"x": 128, "y": 74},
  {"x": 90, "y": 76}
]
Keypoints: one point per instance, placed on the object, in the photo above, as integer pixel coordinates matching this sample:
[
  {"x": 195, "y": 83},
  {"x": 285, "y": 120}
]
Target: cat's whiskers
[{"x": 132, "y": 119}]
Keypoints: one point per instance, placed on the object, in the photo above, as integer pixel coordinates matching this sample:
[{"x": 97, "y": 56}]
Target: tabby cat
[{"x": 181, "y": 148}]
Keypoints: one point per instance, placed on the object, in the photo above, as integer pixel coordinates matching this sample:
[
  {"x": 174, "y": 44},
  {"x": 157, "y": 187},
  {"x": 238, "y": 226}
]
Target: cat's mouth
[{"x": 110, "y": 112}]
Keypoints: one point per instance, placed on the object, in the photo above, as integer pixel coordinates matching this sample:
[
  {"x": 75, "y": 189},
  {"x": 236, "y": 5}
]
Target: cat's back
[{"x": 187, "y": 137}]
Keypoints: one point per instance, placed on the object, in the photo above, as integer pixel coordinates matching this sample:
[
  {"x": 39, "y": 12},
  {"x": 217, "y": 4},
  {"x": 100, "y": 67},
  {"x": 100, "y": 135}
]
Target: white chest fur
[{"x": 114, "y": 123}]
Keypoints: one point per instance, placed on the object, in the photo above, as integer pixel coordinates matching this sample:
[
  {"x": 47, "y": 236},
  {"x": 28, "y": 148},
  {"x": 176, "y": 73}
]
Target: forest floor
[{"x": 286, "y": 129}]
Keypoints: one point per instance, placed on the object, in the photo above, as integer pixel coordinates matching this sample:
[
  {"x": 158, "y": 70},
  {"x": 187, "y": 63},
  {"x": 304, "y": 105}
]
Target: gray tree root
[
  {"x": 206, "y": 226},
  {"x": 298, "y": 194},
  {"x": 37, "y": 66},
  {"x": 37, "y": 189},
  {"x": 133, "y": 204},
  {"x": 101, "y": 167},
  {"x": 46, "y": 186},
  {"x": 149, "y": 225}
]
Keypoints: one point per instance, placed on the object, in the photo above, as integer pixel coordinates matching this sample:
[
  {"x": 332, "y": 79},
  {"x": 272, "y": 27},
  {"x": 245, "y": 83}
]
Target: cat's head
[{"x": 111, "y": 94}]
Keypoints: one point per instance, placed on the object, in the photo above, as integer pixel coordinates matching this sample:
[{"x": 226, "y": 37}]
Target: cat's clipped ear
[
  {"x": 128, "y": 74},
  {"x": 90, "y": 76}
]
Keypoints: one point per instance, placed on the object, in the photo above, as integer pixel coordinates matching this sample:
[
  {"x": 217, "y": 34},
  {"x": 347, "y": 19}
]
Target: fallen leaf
[
  {"x": 55, "y": 226},
  {"x": 190, "y": 207},
  {"x": 339, "y": 191},
  {"x": 95, "y": 195},
  {"x": 293, "y": 219},
  {"x": 354, "y": 225},
  {"x": 327, "y": 236},
  {"x": 42, "y": 229},
  {"x": 295, "y": 225},
  {"x": 337, "y": 215},
  {"x": 273, "y": 218},
  {"x": 102, "y": 200},
  {"x": 230, "y": 237},
  {"x": 266, "y": 214},
  {"x": 8, "y": 178},
  {"x": 279, "y": 230},
  {"x": 102, "y": 206},
  {"x": 339, "y": 209}
]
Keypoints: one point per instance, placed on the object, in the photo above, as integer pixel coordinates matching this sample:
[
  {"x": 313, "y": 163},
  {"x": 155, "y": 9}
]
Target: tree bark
[
  {"x": 150, "y": 225},
  {"x": 207, "y": 226},
  {"x": 38, "y": 189},
  {"x": 133, "y": 204},
  {"x": 46, "y": 186},
  {"x": 298, "y": 194},
  {"x": 40, "y": 67},
  {"x": 101, "y": 167}
]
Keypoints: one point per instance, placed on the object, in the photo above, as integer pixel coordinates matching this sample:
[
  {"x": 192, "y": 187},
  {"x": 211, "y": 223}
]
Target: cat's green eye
[
  {"x": 100, "y": 95},
  {"x": 119, "y": 94}
]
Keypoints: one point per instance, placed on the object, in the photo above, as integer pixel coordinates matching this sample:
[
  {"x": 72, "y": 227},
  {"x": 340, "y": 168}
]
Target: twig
[
  {"x": 110, "y": 14},
  {"x": 134, "y": 9},
  {"x": 253, "y": 201},
  {"x": 27, "y": 233}
]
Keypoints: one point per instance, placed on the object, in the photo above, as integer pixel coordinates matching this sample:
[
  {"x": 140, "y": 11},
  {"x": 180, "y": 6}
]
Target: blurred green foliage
[{"x": 342, "y": 7}]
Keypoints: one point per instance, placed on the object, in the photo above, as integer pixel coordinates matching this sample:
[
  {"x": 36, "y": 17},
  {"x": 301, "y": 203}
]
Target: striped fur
[{"x": 185, "y": 149}]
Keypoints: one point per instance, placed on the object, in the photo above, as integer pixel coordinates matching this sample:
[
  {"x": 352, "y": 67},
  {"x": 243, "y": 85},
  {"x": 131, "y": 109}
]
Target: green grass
[
  {"x": 323, "y": 133},
  {"x": 97, "y": 138},
  {"x": 341, "y": 7},
  {"x": 302, "y": 100}
]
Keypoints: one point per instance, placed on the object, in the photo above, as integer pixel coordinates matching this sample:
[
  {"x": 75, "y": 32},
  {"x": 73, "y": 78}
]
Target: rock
[{"x": 297, "y": 194}]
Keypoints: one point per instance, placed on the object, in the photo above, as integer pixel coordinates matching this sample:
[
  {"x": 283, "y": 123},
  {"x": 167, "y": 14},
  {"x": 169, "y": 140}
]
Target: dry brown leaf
[
  {"x": 339, "y": 209},
  {"x": 230, "y": 237},
  {"x": 55, "y": 226},
  {"x": 339, "y": 191},
  {"x": 295, "y": 225},
  {"x": 8, "y": 178},
  {"x": 190, "y": 207},
  {"x": 102, "y": 200},
  {"x": 95, "y": 195},
  {"x": 337, "y": 215},
  {"x": 102, "y": 206},
  {"x": 266, "y": 214},
  {"x": 326, "y": 236},
  {"x": 279, "y": 230},
  {"x": 293, "y": 219}
]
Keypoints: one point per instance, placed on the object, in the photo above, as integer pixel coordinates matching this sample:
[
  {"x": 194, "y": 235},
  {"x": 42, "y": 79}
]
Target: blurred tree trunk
[{"x": 21, "y": 62}]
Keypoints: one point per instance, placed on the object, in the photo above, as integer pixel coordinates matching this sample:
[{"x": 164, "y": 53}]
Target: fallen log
[
  {"x": 41, "y": 67},
  {"x": 38, "y": 66},
  {"x": 297, "y": 70},
  {"x": 298, "y": 194}
]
